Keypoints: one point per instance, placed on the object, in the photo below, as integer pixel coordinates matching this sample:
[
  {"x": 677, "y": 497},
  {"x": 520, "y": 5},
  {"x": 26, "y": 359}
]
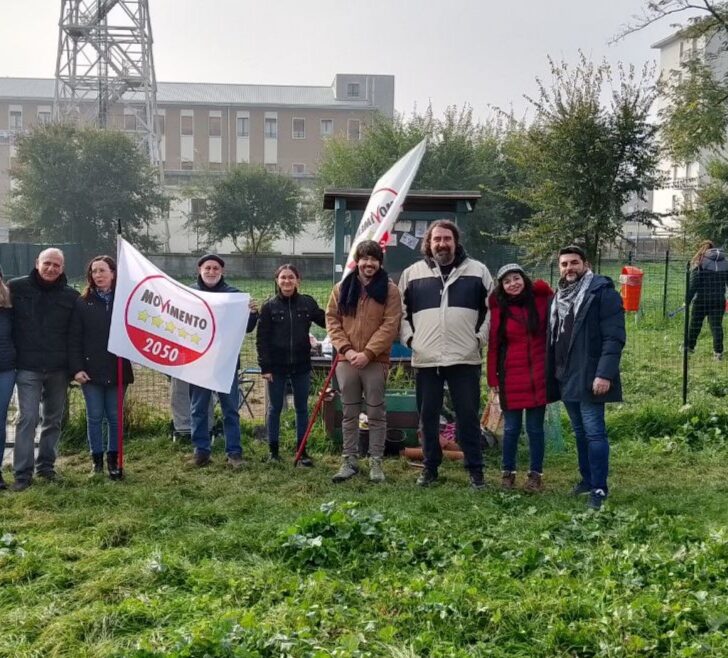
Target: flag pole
[
  {"x": 119, "y": 390},
  {"x": 314, "y": 414}
]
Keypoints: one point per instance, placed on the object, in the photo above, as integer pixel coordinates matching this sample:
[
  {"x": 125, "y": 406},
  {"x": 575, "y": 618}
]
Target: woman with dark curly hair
[{"x": 517, "y": 366}]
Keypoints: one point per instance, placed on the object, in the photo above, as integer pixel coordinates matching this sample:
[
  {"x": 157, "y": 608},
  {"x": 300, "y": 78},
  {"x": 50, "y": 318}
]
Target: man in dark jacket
[
  {"x": 42, "y": 307},
  {"x": 586, "y": 338},
  {"x": 210, "y": 279}
]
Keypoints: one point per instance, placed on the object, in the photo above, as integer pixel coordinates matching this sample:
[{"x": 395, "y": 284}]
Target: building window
[
  {"x": 185, "y": 125},
  {"x": 243, "y": 126},
  {"x": 44, "y": 117},
  {"x": 130, "y": 122},
  {"x": 271, "y": 167},
  {"x": 298, "y": 169},
  {"x": 271, "y": 128},
  {"x": 299, "y": 128},
  {"x": 216, "y": 166},
  {"x": 352, "y": 90},
  {"x": 215, "y": 126},
  {"x": 198, "y": 209},
  {"x": 160, "y": 124},
  {"x": 353, "y": 129},
  {"x": 675, "y": 203},
  {"x": 186, "y": 165},
  {"x": 327, "y": 127},
  {"x": 16, "y": 120}
]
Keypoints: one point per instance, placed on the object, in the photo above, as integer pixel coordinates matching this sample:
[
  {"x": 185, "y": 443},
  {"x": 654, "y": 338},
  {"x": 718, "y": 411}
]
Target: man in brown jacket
[{"x": 362, "y": 319}]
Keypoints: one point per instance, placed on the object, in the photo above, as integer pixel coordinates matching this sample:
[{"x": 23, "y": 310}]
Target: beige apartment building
[{"x": 210, "y": 127}]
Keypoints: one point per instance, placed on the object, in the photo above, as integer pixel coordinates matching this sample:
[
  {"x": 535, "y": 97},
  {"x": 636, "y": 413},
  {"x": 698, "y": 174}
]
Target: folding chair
[{"x": 246, "y": 384}]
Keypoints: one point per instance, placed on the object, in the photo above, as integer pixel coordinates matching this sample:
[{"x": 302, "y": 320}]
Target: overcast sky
[{"x": 441, "y": 51}]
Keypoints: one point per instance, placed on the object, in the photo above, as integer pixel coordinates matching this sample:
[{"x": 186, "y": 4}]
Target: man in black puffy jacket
[
  {"x": 42, "y": 308},
  {"x": 210, "y": 279}
]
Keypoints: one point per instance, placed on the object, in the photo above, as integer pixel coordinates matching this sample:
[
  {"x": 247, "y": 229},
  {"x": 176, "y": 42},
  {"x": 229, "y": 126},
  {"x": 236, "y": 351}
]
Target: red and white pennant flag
[{"x": 386, "y": 202}]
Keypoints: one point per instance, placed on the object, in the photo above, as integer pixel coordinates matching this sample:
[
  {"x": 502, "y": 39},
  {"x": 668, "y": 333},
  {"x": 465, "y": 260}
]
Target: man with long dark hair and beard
[
  {"x": 586, "y": 339},
  {"x": 446, "y": 325}
]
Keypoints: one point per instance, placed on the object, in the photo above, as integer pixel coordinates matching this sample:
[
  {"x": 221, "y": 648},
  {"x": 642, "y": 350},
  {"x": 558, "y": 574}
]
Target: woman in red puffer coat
[{"x": 517, "y": 366}]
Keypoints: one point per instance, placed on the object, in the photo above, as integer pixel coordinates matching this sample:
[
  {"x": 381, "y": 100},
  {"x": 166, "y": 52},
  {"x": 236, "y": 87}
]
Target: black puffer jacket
[
  {"x": 41, "y": 320},
  {"x": 88, "y": 339},
  {"x": 282, "y": 340},
  {"x": 7, "y": 346},
  {"x": 709, "y": 279}
]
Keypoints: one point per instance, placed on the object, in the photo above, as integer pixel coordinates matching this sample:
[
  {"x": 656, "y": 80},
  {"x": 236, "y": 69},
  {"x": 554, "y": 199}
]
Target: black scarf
[{"x": 350, "y": 291}]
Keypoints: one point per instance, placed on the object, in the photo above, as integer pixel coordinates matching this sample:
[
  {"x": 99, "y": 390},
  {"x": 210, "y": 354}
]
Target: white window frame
[
  {"x": 321, "y": 128},
  {"x": 270, "y": 121},
  {"x": 298, "y": 134},
  {"x": 351, "y": 87},
  {"x": 242, "y": 121},
  {"x": 302, "y": 171}
]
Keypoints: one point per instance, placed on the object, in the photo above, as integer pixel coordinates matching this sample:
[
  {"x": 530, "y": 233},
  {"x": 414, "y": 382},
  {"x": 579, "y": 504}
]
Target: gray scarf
[{"x": 569, "y": 296}]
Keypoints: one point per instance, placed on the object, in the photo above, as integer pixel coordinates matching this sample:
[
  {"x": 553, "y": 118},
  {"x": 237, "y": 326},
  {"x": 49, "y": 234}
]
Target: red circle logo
[{"x": 168, "y": 323}]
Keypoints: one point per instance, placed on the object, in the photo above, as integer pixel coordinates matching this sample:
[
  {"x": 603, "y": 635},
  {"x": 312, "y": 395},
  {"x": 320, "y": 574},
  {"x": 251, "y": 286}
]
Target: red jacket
[{"x": 520, "y": 373}]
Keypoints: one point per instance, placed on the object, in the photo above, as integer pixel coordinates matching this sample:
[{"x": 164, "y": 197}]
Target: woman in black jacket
[
  {"x": 284, "y": 352},
  {"x": 7, "y": 363},
  {"x": 93, "y": 366}
]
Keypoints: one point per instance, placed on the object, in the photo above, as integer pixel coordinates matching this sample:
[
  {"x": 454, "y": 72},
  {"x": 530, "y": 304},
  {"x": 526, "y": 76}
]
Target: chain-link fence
[{"x": 655, "y": 365}]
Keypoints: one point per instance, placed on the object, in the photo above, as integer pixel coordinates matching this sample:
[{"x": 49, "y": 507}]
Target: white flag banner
[
  {"x": 159, "y": 323},
  {"x": 385, "y": 203}
]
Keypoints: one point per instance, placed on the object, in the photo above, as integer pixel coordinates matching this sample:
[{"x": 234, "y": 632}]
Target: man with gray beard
[{"x": 446, "y": 324}]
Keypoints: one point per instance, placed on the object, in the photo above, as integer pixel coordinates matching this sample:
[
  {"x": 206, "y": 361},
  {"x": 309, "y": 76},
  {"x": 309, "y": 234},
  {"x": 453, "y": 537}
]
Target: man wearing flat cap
[
  {"x": 586, "y": 339},
  {"x": 210, "y": 278}
]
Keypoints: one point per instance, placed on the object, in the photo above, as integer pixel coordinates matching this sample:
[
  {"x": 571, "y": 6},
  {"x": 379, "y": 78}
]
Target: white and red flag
[
  {"x": 385, "y": 203},
  {"x": 164, "y": 325}
]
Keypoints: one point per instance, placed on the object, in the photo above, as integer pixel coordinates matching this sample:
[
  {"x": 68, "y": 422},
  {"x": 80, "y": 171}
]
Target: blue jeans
[
  {"x": 100, "y": 404},
  {"x": 7, "y": 383},
  {"x": 513, "y": 421},
  {"x": 229, "y": 403},
  {"x": 592, "y": 445},
  {"x": 300, "y": 383}
]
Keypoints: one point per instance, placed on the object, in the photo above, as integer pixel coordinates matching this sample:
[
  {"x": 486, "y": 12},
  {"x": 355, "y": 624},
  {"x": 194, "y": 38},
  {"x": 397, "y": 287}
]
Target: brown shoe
[
  {"x": 534, "y": 482},
  {"x": 201, "y": 459},
  {"x": 508, "y": 481},
  {"x": 235, "y": 462}
]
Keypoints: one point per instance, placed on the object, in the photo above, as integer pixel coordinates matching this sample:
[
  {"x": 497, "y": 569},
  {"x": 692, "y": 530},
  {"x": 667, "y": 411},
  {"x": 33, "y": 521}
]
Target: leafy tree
[
  {"x": 252, "y": 207},
  {"x": 706, "y": 218},
  {"x": 461, "y": 155},
  {"x": 584, "y": 159},
  {"x": 695, "y": 119},
  {"x": 75, "y": 184}
]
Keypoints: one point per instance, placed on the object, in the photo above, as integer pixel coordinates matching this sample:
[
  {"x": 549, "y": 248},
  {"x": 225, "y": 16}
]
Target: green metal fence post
[
  {"x": 664, "y": 286},
  {"x": 686, "y": 328}
]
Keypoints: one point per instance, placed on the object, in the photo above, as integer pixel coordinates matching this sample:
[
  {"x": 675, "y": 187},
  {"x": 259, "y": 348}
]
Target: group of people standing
[
  {"x": 50, "y": 333},
  {"x": 541, "y": 346}
]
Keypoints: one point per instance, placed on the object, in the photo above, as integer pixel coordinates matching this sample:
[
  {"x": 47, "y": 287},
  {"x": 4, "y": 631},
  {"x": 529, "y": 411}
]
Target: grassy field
[
  {"x": 276, "y": 561},
  {"x": 279, "y": 562}
]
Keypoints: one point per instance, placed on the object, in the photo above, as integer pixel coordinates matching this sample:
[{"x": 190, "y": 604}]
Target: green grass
[
  {"x": 279, "y": 562},
  {"x": 276, "y": 561}
]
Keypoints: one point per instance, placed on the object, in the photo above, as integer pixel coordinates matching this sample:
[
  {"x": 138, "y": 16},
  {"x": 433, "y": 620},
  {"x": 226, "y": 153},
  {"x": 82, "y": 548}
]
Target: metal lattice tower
[{"x": 105, "y": 68}]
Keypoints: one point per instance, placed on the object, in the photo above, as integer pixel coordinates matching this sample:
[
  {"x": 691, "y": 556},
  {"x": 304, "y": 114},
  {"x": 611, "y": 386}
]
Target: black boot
[
  {"x": 274, "y": 455},
  {"x": 112, "y": 463},
  {"x": 98, "y": 461}
]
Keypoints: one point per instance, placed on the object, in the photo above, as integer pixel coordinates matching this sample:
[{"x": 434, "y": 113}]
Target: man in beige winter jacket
[{"x": 362, "y": 318}]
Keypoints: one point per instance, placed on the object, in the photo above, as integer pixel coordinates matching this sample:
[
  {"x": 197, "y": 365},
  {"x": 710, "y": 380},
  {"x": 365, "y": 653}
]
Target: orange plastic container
[{"x": 631, "y": 280}]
